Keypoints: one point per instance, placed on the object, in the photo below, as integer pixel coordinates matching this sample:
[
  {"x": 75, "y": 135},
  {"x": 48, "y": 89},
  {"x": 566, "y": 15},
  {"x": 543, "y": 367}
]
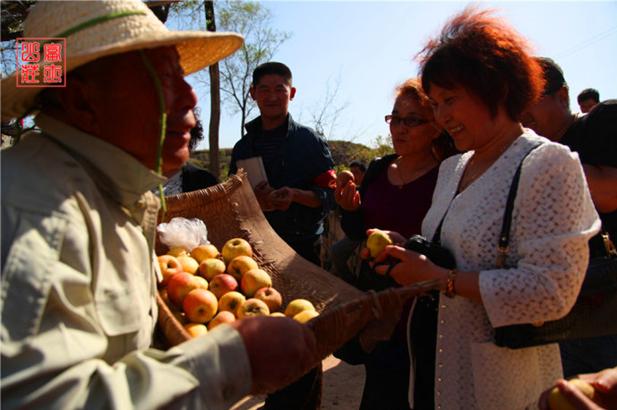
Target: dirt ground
[{"x": 342, "y": 388}]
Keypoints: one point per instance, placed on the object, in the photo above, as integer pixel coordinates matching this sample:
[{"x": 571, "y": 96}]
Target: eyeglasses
[{"x": 409, "y": 122}]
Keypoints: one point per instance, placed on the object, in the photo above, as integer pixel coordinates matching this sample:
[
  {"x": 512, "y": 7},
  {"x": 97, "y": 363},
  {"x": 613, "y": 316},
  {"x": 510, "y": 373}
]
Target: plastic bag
[{"x": 182, "y": 232}]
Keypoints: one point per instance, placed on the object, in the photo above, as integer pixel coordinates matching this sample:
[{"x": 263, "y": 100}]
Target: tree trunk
[{"x": 215, "y": 100}]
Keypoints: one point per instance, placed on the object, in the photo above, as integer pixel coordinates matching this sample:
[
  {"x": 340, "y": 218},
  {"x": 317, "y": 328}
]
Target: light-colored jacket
[
  {"x": 78, "y": 286},
  {"x": 552, "y": 221}
]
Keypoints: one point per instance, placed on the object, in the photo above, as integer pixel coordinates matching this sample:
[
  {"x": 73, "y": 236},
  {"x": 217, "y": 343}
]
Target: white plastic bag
[{"x": 182, "y": 232}]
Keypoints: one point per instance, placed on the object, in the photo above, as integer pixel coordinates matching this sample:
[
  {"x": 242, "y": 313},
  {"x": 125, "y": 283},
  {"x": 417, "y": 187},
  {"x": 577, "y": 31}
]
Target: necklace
[{"x": 416, "y": 173}]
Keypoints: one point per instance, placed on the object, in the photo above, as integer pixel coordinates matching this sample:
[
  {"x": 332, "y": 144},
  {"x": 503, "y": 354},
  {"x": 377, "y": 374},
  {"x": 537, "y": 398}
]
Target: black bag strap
[{"x": 504, "y": 236}]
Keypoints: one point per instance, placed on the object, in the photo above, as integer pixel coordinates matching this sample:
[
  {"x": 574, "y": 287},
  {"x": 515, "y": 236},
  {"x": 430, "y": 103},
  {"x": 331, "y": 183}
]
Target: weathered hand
[
  {"x": 347, "y": 196},
  {"x": 262, "y": 192},
  {"x": 281, "y": 198}
]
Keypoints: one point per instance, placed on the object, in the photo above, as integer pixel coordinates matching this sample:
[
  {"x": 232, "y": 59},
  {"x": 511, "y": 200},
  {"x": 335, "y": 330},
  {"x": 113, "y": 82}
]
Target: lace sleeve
[{"x": 553, "y": 219}]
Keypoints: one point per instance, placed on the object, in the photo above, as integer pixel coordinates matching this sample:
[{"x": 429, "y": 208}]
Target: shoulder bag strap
[{"x": 504, "y": 236}]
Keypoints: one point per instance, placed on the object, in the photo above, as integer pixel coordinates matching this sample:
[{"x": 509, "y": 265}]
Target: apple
[
  {"x": 254, "y": 280},
  {"x": 177, "y": 251},
  {"x": 556, "y": 400},
  {"x": 298, "y": 305},
  {"x": 181, "y": 284},
  {"x": 223, "y": 283},
  {"x": 169, "y": 266},
  {"x": 253, "y": 307},
  {"x": 343, "y": 177},
  {"x": 240, "y": 265},
  {"x": 220, "y": 318},
  {"x": 203, "y": 252},
  {"x": 200, "y": 305},
  {"x": 196, "y": 329},
  {"x": 277, "y": 314},
  {"x": 209, "y": 268},
  {"x": 189, "y": 264},
  {"x": 271, "y": 297},
  {"x": 305, "y": 316},
  {"x": 377, "y": 241},
  {"x": 231, "y": 301},
  {"x": 236, "y": 247}
]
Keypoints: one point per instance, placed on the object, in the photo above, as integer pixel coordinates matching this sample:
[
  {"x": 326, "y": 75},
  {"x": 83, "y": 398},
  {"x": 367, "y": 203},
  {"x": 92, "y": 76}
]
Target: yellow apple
[
  {"x": 253, "y": 280},
  {"x": 377, "y": 241},
  {"x": 343, "y": 177},
  {"x": 271, "y": 297},
  {"x": 231, "y": 302},
  {"x": 556, "y": 400},
  {"x": 220, "y": 318},
  {"x": 277, "y": 314},
  {"x": 305, "y": 316},
  {"x": 253, "y": 307},
  {"x": 181, "y": 284},
  {"x": 203, "y": 252},
  {"x": 221, "y": 284},
  {"x": 177, "y": 251},
  {"x": 189, "y": 264},
  {"x": 209, "y": 268},
  {"x": 169, "y": 266},
  {"x": 236, "y": 247},
  {"x": 298, "y": 305},
  {"x": 196, "y": 329},
  {"x": 240, "y": 265},
  {"x": 200, "y": 305}
]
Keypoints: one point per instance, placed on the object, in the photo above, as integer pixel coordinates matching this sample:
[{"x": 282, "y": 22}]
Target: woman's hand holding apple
[
  {"x": 605, "y": 395},
  {"x": 413, "y": 267}
]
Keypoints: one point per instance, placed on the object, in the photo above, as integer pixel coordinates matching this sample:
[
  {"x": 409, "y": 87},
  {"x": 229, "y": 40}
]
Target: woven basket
[{"x": 230, "y": 210}]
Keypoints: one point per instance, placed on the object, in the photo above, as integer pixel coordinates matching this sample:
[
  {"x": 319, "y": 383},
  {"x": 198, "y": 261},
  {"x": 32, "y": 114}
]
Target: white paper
[{"x": 254, "y": 168}]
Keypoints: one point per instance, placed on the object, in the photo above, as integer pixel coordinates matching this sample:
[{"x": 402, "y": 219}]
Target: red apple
[
  {"x": 181, "y": 284},
  {"x": 236, "y": 247},
  {"x": 231, "y": 301},
  {"x": 169, "y": 266},
  {"x": 223, "y": 283},
  {"x": 271, "y": 297},
  {"x": 200, "y": 305},
  {"x": 240, "y": 265},
  {"x": 253, "y": 280},
  {"x": 253, "y": 307},
  {"x": 220, "y": 318}
]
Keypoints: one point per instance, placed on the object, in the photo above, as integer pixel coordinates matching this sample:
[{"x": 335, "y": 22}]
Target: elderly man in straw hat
[{"x": 78, "y": 282}]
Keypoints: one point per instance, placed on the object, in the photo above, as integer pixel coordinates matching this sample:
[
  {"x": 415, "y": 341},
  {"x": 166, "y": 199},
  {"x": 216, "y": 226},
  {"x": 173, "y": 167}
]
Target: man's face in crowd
[
  {"x": 272, "y": 94},
  {"x": 587, "y": 105},
  {"x": 546, "y": 116},
  {"x": 121, "y": 106}
]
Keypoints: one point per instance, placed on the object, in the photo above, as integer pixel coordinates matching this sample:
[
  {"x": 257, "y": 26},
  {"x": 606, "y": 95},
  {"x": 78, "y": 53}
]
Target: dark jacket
[{"x": 303, "y": 157}]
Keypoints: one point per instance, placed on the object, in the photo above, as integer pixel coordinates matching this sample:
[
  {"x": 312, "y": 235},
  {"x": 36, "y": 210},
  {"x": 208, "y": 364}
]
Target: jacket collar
[{"x": 254, "y": 127}]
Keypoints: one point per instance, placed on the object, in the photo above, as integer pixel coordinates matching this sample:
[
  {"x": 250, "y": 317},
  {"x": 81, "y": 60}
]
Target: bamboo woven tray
[{"x": 230, "y": 210}]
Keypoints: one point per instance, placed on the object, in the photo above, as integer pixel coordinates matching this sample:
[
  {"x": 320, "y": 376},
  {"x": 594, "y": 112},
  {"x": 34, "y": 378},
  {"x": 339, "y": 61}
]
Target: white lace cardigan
[{"x": 552, "y": 221}]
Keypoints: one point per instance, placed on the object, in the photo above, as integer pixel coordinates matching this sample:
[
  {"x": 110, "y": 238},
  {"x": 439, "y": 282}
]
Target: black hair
[
  {"x": 271, "y": 67},
  {"x": 358, "y": 164},
  {"x": 587, "y": 94}
]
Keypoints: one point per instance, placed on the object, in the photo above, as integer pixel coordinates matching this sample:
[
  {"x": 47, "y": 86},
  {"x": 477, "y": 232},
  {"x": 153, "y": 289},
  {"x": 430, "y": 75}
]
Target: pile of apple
[{"x": 205, "y": 288}]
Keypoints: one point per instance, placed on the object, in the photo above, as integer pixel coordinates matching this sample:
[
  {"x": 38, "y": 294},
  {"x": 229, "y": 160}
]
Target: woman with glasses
[
  {"x": 480, "y": 76},
  {"x": 395, "y": 195}
]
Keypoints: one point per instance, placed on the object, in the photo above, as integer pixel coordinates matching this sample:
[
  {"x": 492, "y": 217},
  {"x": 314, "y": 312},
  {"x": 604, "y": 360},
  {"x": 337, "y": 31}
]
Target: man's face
[
  {"x": 125, "y": 106},
  {"x": 546, "y": 117},
  {"x": 587, "y": 105},
  {"x": 272, "y": 94}
]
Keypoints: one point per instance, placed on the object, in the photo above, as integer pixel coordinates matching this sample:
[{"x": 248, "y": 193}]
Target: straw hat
[{"x": 95, "y": 29}]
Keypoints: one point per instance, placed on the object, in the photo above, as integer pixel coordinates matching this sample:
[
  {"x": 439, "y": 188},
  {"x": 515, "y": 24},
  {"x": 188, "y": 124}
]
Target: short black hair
[
  {"x": 358, "y": 164},
  {"x": 553, "y": 74},
  {"x": 589, "y": 94},
  {"x": 271, "y": 67}
]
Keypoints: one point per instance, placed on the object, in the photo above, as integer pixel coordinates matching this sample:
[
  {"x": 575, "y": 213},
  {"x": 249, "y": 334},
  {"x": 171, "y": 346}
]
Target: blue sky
[{"x": 367, "y": 48}]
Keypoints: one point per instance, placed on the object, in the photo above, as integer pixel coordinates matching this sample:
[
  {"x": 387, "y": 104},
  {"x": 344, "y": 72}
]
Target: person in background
[
  {"x": 190, "y": 177},
  {"x": 394, "y": 195},
  {"x": 480, "y": 76},
  {"x": 592, "y": 137},
  {"x": 298, "y": 194},
  {"x": 358, "y": 169},
  {"x": 587, "y": 99},
  {"x": 79, "y": 274}
]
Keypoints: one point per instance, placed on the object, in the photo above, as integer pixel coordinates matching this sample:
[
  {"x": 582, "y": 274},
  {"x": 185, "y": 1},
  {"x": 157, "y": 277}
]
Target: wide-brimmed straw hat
[{"x": 95, "y": 29}]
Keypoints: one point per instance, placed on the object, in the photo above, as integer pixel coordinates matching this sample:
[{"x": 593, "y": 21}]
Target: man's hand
[
  {"x": 347, "y": 196},
  {"x": 280, "y": 351},
  {"x": 281, "y": 198},
  {"x": 604, "y": 383},
  {"x": 262, "y": 192}
]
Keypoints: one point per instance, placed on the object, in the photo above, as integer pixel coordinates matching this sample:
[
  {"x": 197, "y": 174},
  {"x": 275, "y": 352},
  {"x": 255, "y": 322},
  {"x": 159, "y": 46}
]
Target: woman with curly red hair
[{"x": 480, "y": 76}]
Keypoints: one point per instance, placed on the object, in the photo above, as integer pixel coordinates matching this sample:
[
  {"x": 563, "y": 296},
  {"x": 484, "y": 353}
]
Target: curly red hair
[{"x": 483, "y": 54}]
